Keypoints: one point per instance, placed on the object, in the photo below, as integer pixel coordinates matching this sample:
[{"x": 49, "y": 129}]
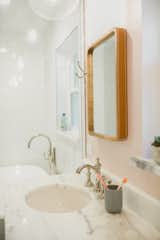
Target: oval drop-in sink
[{"x": 57, "y": 199}]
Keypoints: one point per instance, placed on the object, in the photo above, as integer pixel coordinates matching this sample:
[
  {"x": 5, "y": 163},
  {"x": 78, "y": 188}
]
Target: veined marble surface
[
  {"x": 90, "y": 223},
  {"x": 146, "y": 164}
]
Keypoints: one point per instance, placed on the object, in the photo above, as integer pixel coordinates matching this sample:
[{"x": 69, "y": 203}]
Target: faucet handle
[
  {"x": 54, "y": 155},
  {"x": 89, "y": 182},
  {"x": 98, "y": 165}
]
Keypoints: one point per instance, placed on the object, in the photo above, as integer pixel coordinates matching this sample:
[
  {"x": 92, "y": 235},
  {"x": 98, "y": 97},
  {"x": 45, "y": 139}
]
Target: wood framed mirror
[{"x": 107, "y": 86}]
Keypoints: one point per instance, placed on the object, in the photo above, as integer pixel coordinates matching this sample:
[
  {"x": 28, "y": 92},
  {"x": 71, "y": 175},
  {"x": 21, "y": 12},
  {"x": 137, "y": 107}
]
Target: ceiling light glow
[
  {"x": 5, "y": 2},
  {"x": 20, "y": 63},
  {"x": 32, "y": 36},
  {"x": 3, "y": 50},
  {"x": 51, "y": 2}
]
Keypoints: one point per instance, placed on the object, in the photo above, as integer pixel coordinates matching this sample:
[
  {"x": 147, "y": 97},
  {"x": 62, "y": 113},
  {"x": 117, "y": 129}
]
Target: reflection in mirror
[
  {"x": 70, "y": 104},
  {"x": 107, "y": 86},
  {"x": 104, "y": 81},
  {"x": 68, "y": 84}
]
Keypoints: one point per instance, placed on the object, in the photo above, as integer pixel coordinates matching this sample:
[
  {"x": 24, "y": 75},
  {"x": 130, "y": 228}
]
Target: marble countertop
[
  {"x": 146, "y": 164},
  {"x": 90, "y": 223}
]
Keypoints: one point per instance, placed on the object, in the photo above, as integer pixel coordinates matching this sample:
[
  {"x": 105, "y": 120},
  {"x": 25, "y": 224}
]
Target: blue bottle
[{"x": 64, "y": 125}]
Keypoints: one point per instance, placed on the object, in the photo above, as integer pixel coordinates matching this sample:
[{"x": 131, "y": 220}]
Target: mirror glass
[
  {"x": 107, "y": 86},
  {"x": 104, "y": 92},
  {"x": 68, "y": 97},
  {"x": 70, "y": 106}
]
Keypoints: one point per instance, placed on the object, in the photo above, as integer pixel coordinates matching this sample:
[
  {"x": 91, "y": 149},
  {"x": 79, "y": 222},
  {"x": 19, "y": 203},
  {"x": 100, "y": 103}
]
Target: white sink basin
[{"x": 57, "y": 199}]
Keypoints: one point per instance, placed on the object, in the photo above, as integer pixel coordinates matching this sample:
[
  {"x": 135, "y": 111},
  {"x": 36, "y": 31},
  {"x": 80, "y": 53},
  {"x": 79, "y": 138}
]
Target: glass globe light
[{"x": 53, "y": 9}]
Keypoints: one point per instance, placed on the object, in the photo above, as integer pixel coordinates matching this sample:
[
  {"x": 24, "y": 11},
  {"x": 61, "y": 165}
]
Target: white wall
[
  {"x": 23, "y": 85},
  {"x": 22, "y": 98},
  {"x": 50, "y": 76},
  {"x": 151, "y": 73},
  {"x": 102, "y": 16},
  {"x": 28, "y": 85}
]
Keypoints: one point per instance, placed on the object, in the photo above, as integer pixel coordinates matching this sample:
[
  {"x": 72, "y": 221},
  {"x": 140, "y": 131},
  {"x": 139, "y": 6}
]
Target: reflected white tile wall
[
  {"x": 23, "y": 88},
  {"x": 28, "y": 85},
  {"x": 69, "y": 153}
]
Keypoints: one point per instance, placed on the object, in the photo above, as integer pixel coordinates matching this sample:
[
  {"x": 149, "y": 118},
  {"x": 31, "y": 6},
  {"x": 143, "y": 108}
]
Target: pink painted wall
[{"x": 101, "y": 16}]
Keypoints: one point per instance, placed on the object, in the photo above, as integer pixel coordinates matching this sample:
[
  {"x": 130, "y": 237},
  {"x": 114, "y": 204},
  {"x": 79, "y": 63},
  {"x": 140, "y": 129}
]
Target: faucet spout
[
  {"x": 96, "y": 168},
  {"x": 51, "y": 154},
  {"x": 88, "y": 166},
  {"x": 41, "y": 135}
]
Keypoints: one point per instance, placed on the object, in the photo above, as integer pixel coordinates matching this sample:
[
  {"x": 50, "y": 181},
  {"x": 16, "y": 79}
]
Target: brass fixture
[
  {"x": 50, "y": 156},
  {"x": 97, "y": 170},
  {"x": 80, "y": 69},
  {"x": 97, "y": 186}
]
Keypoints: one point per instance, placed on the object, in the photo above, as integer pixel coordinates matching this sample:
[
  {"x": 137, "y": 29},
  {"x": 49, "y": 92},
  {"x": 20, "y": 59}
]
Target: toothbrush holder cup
[{"x": 113, "y": 199}]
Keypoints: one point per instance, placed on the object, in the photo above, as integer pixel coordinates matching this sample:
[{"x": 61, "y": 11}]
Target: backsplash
[{"x": 140, "y": 202}]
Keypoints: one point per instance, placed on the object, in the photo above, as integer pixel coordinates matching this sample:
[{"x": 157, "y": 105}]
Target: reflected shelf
[{"x": 72, "y": 136}]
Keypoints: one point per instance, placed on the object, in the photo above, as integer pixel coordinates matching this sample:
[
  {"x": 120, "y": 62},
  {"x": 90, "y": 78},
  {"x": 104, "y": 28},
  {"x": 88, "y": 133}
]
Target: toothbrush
[
  {"x": 124, "y": 180},
  {"x": 100, "y": 178}
]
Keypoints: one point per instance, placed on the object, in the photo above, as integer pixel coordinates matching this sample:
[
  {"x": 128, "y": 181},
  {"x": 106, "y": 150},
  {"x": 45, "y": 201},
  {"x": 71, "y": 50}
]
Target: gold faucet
[
  {"x": 51, "y": 155},
  {"x": 97, "y": 170}
]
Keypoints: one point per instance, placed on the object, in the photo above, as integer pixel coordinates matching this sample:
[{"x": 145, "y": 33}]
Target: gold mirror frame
[{"x": 121, "y": 85}]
